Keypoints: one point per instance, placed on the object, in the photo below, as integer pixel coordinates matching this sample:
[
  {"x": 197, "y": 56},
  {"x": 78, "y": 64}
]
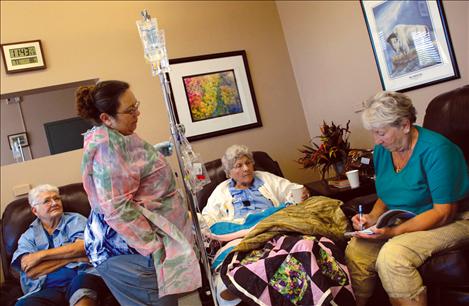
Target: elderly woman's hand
[{"x": 305, "y": 194}]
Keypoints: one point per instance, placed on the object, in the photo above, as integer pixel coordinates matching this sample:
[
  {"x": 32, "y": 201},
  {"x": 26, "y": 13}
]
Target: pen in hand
[{"x": 360, "y": 216}]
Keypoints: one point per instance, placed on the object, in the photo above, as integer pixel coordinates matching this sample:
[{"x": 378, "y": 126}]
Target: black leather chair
[
  {"x": 446, "y": 274},
  {"x": 16, "y": 219}
]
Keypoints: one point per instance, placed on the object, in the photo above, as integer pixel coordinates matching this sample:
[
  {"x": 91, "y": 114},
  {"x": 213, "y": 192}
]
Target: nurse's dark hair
[{"x": 93, "y": 100}]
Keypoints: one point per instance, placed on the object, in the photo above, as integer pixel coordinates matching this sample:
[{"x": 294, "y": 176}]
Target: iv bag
[
  {"x": 195, "y": 173},
  {"x": 154, "y": 47}
]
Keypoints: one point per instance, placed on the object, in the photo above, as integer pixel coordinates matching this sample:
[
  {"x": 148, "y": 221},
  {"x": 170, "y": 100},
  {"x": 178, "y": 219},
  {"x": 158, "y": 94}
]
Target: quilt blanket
[
  {"x": 290, "y": 270},
  {"x": 317, "y": 215}
]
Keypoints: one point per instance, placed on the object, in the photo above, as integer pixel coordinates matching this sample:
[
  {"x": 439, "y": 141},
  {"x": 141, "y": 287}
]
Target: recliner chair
[
  {"x": 217, "y": 175},
  {"x": 446, "y": 274},
  {"x": 15, "y": 221}
]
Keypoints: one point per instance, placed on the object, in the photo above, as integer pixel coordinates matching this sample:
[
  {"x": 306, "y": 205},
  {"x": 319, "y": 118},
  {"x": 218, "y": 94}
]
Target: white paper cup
[
  {"x": 353, "y": 178},
  {"x": 296, "y": 195}
]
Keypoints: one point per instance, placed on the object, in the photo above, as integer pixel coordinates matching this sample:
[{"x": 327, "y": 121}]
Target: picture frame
[
  {"x": 23, "y": 137},
  {"x": 411, "y": 43},
  {"x": 213, "y": 94},
  {"x": 23, "y": 56}
]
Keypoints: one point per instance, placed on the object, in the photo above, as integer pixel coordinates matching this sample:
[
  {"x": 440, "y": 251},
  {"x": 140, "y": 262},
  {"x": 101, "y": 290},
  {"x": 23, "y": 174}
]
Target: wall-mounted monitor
[{"x": 66, "y": 135}]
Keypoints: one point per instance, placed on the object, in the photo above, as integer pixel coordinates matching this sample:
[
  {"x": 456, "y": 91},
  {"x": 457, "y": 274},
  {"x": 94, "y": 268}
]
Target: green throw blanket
[{"x": 316, "y": 216}]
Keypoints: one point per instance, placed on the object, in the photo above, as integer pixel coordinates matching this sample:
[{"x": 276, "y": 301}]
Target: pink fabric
[{"x": 133, "y": 186}]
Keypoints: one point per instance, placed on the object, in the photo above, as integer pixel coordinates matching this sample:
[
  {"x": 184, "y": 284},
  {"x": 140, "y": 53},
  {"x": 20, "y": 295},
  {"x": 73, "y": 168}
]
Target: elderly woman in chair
[
  {"x": 246, "y": 191},
  {"x": 417, "y": 170},
  {"x": 274, "y": 259}
]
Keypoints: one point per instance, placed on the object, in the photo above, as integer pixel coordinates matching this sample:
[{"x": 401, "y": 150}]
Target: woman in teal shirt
[{"x": 416, "y": 170}]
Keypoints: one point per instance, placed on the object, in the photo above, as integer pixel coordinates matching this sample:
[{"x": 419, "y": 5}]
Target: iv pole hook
[{"x": 145, "y": 15}]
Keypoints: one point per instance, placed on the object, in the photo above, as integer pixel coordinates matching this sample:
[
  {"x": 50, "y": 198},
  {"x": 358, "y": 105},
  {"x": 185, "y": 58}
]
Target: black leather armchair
[
  {"x": 16, "y": 219},
  {"x": 446, "y": 274}
]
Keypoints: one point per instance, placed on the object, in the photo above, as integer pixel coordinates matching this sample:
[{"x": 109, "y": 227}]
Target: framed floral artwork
[{"x": 213, "y": 94}]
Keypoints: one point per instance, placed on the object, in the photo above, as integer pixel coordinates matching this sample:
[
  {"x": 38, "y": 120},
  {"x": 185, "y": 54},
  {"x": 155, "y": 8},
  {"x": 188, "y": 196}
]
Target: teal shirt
[{"x": 435, "y": 173}]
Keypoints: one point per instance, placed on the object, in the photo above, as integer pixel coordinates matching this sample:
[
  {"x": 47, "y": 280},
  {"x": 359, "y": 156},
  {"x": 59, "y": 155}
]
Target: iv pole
[{"x": 155, "y": 52}]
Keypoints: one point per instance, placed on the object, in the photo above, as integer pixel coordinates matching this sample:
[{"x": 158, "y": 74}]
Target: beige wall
[
  {"x": 37, "y": 109},
  {"x": 327, "y": 42},
  {"x": 86, "y": 40},
  {"x": 334, "y": 64}
]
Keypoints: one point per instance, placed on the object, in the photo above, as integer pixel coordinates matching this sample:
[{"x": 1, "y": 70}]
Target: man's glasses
[
  {"x": 49, "y": 200},
  {"x": 132, "y": 110}
]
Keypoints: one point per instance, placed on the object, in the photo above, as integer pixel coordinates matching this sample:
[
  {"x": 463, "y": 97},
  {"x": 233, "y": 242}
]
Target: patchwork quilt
[
  {"x": 223, "y": 236},
  {"x": 289, "y": 258},
  {"x": 290, "y": 270}
]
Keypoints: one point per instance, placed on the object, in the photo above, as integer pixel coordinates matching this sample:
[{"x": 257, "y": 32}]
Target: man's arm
[
  {"x": 52, "y": 265},
  {"x": 69, "y": 251}
]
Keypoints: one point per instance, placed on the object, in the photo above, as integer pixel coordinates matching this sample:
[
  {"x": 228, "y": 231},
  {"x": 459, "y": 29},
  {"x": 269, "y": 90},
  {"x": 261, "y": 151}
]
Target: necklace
[
  {"x": 399, "y": 163},
  {"x": 400, "y": 160}
]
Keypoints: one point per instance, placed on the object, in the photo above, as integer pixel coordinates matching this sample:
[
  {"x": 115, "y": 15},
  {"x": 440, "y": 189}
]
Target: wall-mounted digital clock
[{"x": 23, "y": 56}]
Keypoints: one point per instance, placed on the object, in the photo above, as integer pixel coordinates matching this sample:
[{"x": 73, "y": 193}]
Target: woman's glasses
[
  {"x": 131, "y": 110},
  {"x": 49, "y": 200},
  {"x": 240, "y": 164}
]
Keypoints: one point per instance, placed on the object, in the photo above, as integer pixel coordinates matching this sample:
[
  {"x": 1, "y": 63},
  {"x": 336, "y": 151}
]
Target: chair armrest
[{"x": 10, "y": 291}]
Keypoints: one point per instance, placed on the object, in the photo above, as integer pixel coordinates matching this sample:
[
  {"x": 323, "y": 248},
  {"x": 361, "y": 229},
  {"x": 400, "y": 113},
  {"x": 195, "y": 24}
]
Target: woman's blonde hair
[{"x": 387, "y": 108}]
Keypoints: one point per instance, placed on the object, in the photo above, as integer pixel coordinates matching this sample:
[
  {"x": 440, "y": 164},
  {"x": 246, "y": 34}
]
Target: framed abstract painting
[
  {"x": 411, "y": 43},
  {"x": 213, "y": 94}
]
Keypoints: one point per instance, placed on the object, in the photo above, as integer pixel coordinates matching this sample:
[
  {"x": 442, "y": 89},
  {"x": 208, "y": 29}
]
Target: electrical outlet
[
  {"x": 22, "y": 189},
  {"x": 14, "y": 100}
]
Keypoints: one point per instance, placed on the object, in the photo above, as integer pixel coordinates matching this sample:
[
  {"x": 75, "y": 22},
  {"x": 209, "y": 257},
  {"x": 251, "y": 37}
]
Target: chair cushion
[
  {"x": 453, "y": 297},
  {"x": 448, "y": 268}
]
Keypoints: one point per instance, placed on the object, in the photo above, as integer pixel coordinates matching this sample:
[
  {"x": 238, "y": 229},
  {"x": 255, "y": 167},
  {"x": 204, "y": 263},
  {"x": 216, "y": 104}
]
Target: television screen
[{"x": 66, "y": 135}]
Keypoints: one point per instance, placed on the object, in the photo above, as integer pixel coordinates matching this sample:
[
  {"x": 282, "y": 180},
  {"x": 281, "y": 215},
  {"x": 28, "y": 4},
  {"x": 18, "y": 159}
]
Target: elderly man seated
[{"x": 51, "y": 255}]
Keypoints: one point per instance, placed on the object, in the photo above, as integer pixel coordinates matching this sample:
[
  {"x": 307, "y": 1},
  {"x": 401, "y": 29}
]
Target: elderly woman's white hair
[
  {"x": 387, "y": 108},
  {"x": 33, "y": 195},
  {"x": 232, "y": 154}
]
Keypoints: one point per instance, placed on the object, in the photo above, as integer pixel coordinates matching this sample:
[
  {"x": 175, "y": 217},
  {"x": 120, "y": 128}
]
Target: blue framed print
[{"x": 411, "y": 43}]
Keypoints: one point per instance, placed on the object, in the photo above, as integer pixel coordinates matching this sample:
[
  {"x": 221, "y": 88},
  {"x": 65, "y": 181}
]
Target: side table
[{"x": 367, "y": 186}]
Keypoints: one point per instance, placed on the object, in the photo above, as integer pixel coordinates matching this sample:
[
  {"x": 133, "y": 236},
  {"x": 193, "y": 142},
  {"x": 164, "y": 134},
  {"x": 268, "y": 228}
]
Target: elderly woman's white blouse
[{"x": 220, "y": 203}]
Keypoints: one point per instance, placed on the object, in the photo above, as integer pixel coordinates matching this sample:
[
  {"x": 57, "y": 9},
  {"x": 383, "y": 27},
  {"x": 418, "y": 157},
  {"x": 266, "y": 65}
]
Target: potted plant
[{"x": 331, "y": 152}]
